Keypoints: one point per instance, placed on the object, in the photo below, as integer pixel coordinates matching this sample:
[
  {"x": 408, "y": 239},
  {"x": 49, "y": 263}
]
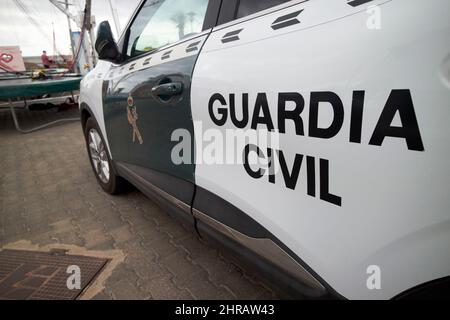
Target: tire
[{"x": 100, "y": 160}]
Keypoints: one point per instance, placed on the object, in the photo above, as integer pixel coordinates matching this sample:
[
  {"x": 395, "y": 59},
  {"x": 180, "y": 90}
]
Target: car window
[
  {"x": 247, "y": 7},
  {"x": 162, "y": 22}
]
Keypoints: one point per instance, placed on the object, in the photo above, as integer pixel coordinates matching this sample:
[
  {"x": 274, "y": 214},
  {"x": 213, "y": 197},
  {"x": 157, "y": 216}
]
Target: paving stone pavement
[{"x": 49, "y": 195}]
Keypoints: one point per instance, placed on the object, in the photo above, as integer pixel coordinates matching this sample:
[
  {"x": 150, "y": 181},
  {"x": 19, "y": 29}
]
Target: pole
[
  {"x": 93, "y": 39},
  {"x": 89, "y": 27},
  {"x": 72, "y": 46},
  {"x": 115, "y": 18}
]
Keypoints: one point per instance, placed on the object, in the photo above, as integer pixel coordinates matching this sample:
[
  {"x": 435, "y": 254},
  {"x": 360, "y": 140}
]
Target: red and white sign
[{"x": 11, "y": 59}]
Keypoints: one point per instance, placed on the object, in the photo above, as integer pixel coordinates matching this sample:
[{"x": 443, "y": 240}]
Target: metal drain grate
[{"x": 33, "y": 275}]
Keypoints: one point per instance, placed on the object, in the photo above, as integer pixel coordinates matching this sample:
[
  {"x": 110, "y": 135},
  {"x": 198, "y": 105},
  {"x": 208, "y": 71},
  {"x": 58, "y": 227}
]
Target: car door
[{"x": 147, "y": 98}]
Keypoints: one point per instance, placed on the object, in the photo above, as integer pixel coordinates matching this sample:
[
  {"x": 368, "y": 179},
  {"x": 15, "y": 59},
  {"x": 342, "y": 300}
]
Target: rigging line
[
  {"x": 21, "y": 7},
  {"x": 12, "y": 22},
  {"x": 27, "y": 13}
]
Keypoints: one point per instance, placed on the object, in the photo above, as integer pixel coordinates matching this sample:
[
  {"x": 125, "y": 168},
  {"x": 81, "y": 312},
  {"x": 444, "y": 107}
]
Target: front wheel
[{"x": 100, "y": 160}]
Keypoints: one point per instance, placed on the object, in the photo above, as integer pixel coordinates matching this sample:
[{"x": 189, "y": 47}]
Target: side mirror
[{"x": 105, "y": 45}]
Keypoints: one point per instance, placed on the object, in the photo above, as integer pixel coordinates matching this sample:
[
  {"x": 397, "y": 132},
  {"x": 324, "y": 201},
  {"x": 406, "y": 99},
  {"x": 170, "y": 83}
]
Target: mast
[{"x": 72, "y": 45}]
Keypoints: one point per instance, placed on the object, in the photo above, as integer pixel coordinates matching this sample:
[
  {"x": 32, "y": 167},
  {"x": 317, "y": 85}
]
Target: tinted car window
[
  {"x": 162, "y": 22},
  {"x": 247, "y": 7}
]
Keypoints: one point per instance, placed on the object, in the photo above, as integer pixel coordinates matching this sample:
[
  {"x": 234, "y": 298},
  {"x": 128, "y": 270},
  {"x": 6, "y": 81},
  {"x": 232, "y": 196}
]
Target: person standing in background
[{"x": 45, "y": 60}]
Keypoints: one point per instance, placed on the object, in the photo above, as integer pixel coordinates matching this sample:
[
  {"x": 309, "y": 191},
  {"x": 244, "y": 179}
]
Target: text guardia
[{"x": 290, "y": 107}]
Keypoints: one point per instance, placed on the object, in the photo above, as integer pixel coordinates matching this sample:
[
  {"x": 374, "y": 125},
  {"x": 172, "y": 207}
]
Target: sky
[{"x": 16, "y": 28}]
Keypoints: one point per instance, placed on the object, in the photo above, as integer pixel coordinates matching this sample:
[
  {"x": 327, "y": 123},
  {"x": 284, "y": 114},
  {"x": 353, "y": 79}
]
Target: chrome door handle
[{"x": 168, "y": 89}]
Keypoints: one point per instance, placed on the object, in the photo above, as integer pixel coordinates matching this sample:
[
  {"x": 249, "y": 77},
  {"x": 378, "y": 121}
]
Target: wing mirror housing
[{"x": 105, "y": 45}]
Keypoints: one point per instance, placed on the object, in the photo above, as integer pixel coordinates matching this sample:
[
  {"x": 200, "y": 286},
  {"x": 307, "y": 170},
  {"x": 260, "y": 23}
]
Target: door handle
[{"x": 168, "y": 89}]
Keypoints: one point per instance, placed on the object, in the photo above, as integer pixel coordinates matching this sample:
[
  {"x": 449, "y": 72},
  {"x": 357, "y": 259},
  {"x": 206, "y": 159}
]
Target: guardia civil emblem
[{"x": 132, "y": 119}]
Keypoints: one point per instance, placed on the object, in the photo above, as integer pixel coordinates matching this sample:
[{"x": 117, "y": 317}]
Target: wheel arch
[{"x": 86, "y": 113}]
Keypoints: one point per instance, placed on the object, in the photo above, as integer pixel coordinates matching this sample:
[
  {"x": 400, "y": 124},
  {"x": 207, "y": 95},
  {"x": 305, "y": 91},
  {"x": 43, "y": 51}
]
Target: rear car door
[{"x": 147, "y": 97}]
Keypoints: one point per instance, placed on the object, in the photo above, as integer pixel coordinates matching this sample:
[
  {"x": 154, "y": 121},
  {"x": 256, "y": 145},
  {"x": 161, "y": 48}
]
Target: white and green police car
[{"x": 351, "y": 198}]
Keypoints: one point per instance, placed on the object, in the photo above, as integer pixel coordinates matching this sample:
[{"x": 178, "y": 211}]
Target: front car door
[{"x": 147, "y": 98}]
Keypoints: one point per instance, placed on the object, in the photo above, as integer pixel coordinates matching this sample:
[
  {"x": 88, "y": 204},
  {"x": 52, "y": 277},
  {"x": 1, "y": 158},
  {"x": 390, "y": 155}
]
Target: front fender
[{"x": 91, "y": 96}]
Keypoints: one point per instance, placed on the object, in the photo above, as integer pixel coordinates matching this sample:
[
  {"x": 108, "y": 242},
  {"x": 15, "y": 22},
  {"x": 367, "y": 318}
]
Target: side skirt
[
  {"x": 224, "y": 223},
  {"x": 268, "y": 256},
  {"x": 173, "y": 206}
]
